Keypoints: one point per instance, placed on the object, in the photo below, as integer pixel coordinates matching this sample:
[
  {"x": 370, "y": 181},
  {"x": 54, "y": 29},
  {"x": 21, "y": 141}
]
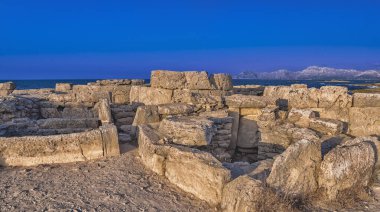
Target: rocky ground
[{"x": 116, "y": 184}]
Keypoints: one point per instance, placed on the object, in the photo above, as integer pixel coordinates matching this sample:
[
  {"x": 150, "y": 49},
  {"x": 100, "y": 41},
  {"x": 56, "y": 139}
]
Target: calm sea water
[{"x": 353, "y": 84}]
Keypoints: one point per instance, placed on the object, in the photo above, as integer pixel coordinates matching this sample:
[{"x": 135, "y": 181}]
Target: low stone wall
[
  {"x": 35, "y": 150},
  {"x": 254, "y": 90}
]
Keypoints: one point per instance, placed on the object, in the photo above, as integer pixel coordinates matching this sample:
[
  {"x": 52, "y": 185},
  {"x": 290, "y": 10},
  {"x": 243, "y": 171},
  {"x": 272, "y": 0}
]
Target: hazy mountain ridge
[{"x": 312, "y": 73}]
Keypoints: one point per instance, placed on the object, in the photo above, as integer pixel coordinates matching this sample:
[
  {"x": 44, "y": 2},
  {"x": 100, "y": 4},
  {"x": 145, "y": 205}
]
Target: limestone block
[
  {"x": 234, "y": 113},
  {"x": 197, "y": 80},
  {"x": 364, "y": 121},
  {"x": 85, "y": 93},
  {"x": 150, "y": 95},
  {"x": 301, "y": 117},
  {"x": 167, "y": 79},
  {"x": 294, "y": 172},
  {"x": 50, "y": 113},
  {"x": 58, "y": 123},
  {"x": 77, "y": 112},
  {"x": 63, "y": 87},
  {"x": 327, "y": 126},
  {"x": 248, "y": 135},
  {"x": 250, "y": 111},
  {"x": 7, "y": 86},
  {"x": 348, "y": 167},
  {"x": 192, "y": 131},
  {"x": 366, "y": 100},
  {"x": 197, "y": 172},
  {"x": 334, "y": 96},
  {"x": 295, "y": 86},
  {"x": 175, "y": 109},
  {"x": 341, "y": 114},
  {"x": 104, "y": 111},
  {"x": 137, "y": 82},
  {"x": 35, "y": 150},
  {"x": 247, "y": 194},
  {"x": 146, "y": 114},
  {"x": 121, "y": 94},
  {"x": 222, "y": 81},
  {"x": 110, "y": 140},
  {"x": 243, "y": 101},
  {"x": 303, "y": 98}
]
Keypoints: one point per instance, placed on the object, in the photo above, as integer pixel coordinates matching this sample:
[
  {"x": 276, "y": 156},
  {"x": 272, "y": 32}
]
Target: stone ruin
[{"x": 242, "y": 148}]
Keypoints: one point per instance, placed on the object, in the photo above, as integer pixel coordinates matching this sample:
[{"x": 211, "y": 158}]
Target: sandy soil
[{"x": 115, "y": 184}]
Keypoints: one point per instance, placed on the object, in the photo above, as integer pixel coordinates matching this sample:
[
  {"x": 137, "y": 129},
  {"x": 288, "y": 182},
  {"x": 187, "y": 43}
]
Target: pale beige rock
[
  {"x": 192, "y": 131},
  {"x": 7, "y": 86},
  {"x": 295, "y": 171},
  {"x": 222, "y": 81},
  {"x": 250, "y": 111},
  {"x": 326, "y": 126},
  {"x": 167, "y": 79},
  {"x": 244, "y": 101},
  {"x": 364, "y": 121},
  {"x": 348, "y": 168},
  {"x": 104, "y": 111},
  {"x": 366, "y": 100},
  {"x": 63, "y": 87},
  {"x": 175, "y": 109},
  {"x": 341, "y": 114},
  {"x": 245, "y": 194},
  {"x": 150, "y": 95},
  {"x": 248, "y": 135},
  {"x": 110, "y": 140},
  {"x": 235, "y": 114},
  {"x": 301, "y": 117},
  {"x": 334, "y": 96},
  {"x": 197, "y": 80},
  {"x": 146, "y": 114}
]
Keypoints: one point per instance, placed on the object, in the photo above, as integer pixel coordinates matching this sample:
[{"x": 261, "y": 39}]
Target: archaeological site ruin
[{"x": 238, "y": 148}]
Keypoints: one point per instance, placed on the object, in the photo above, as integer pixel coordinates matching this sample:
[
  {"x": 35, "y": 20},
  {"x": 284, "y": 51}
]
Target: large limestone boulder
[
  {"x": 63, "y": 87},
  {"x": 248, "y": 135},
  {"x": 197, "y": 80},
  {"x": 301, "y": 117},
  {"x": 6, "y": 88},
  {"x": 150, "y": 95},
  {"x": 347, "y": 168},
  {"x": 175, "y": 109},
  {"x": 104, "y": 111},
  {"x": 146, "y": 114},
  {"x": 192, "y": 131},
  {"x": 245, "y": 194},
  {"x": 295, "y": 171},
  {"x": 334, "y": 96},
  {"x": 294, "y": 96},
  {"x": 366, "y": 100},
  {"x": 222, "y": 81},
  {"x": 167, "y": 79},
  {"x": 194, "y": 171},
  {"x": 364, "y": 121},
  {"x": 244, "y": 101},
  {"x": 327, "y": 126}
]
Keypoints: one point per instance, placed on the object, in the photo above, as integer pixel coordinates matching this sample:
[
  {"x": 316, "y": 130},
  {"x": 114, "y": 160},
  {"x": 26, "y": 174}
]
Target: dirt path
[{"x": 116, "y": 184}]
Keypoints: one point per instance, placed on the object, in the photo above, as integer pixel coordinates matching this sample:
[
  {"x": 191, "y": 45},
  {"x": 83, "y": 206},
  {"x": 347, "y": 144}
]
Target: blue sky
[{"x": 44, "y": 39}]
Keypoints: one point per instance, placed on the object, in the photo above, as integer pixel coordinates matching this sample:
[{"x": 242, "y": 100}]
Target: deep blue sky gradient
[{"x": 45, "y": 39}]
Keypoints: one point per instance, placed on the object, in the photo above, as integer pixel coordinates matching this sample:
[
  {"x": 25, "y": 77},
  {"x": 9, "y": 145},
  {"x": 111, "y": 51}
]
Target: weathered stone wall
[
  {"x": 195, "y": 88},
  {"x": 35, "y": 150},
  {"x": 254, "y": 90}
]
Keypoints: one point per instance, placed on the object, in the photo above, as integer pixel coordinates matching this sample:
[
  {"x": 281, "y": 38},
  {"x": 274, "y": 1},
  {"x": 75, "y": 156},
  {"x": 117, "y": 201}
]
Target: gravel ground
[{"x": 115, "y": 184}]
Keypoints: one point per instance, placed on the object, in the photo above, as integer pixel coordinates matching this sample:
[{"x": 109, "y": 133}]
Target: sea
[{"x": 350, "y": 84}]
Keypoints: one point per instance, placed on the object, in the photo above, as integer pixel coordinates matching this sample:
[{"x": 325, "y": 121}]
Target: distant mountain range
[{"x": 312, "y": 73}]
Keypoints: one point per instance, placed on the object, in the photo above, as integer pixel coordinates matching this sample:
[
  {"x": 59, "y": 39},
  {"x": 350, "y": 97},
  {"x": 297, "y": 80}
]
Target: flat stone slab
[
  {"x": 366, "y": 100},
  {"x": 244, "y": 101},
  {"x": 327, "y": 126},
  {"x": 175, "y": 109},
  {"x": 191, "y": 131}
]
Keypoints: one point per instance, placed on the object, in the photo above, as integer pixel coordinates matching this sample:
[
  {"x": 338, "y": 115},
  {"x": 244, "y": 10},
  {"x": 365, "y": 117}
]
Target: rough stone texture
[
  {"x": 327, "y": 126},
  {"x": 6, "y": 88},
  {"x": 366, "y": 100},
  {"x": 248, "y": 135},
  {"x": 146, "y": 114},
  {"x": 201, "y": 99},
  {"x": 175, "y": 109},
  {"x": 167, "y": 79},
  {"x": 192, "y": 170},
  {"x": 104, "y": 112},
  {"x": 246, "y": 194},
  {"x": 234, "y": 113},
  {"x": 63, "y": 87},
  {"x": 364, "y": 121},
  {"x": 347, "y": 168},
  {"x": 301, "y": 117},
  {"x": 341, "y": 114},
  {"x": 150, "y": 95},
  {"x": 192, "y": 131},
  {"x": 197, "y": 80},
  {"x": 295, "y": 171},
  {"x": 35, "y": 150},
  {"x": 334, "y": 96},
  {"x": 293, "y": 97},
  {"x": 244, "y": 101},
  {"x": 222, "y": 81}
]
